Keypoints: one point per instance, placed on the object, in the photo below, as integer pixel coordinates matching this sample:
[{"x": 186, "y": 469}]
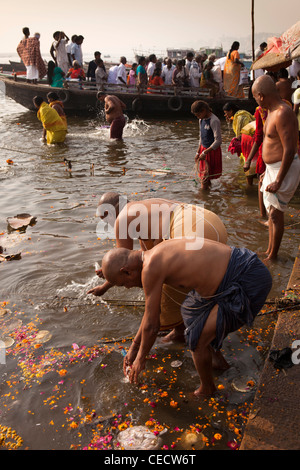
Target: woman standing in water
[{"x": 209, "y": 154}]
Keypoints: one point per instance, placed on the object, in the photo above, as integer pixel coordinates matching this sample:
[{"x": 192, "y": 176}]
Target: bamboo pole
[{"x": 252, "y": 20}]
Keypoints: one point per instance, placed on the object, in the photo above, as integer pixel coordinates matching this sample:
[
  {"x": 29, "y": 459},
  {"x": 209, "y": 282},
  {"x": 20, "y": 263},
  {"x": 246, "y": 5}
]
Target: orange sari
[{"x": 232, "y": 76}]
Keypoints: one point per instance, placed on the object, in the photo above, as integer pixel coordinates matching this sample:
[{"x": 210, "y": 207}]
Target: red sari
[
  {"x": 260, "y": 117},
  {"x": 214, "y": 160}
]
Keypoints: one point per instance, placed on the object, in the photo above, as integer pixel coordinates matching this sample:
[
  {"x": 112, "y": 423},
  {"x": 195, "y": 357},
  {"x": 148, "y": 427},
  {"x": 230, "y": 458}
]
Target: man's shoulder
[
  {"x": 153, "y": 265},
  {"x": 284, "y": 110}
]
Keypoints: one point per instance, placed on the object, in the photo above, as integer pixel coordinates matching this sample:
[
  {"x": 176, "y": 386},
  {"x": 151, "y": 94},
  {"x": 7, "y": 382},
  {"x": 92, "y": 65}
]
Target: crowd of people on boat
[
  {"x": 220, "y": 77},
  {"x": 225, "y": 76},
  {"x": 196, "y": 70}
]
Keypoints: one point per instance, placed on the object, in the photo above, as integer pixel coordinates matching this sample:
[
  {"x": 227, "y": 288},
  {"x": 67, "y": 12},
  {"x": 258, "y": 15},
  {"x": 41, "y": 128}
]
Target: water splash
[
  {"x": 136, "y": 127},
  {"x": 78, "y": 292}
]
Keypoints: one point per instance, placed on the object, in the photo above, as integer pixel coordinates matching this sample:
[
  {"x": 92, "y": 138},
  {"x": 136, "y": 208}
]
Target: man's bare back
[
  {"x": 202, "y": 268},
  {"x": 154, "y": 215}
]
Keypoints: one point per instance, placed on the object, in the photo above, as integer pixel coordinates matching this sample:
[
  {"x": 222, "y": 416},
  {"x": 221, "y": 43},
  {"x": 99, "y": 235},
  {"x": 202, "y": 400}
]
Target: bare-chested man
[
  {"x": 151, "y": 221},
  {"x": 113, "y": 108},
  {"x": 226, "y": 287},
  {"x": 284, "y": 85},
  {"x": 282, "y": 175}
]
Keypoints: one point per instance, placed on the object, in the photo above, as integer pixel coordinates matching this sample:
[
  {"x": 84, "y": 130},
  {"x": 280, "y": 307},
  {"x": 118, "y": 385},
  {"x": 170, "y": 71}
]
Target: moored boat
[{"x": 82, "y": 98}]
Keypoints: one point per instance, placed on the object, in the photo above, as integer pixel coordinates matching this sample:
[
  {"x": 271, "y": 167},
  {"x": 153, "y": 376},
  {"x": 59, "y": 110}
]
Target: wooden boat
[
  {"x": 82, "y": 98},
  {"x": 4, "y": 68},
  {"x": 17, "y": 66}
]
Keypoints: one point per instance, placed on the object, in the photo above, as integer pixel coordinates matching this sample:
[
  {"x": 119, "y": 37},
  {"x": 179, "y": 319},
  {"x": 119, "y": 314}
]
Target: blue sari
[{"x": 240, "y": 296}]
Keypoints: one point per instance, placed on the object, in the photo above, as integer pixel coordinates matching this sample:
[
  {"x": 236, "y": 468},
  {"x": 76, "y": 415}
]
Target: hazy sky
[{"x": 117, "y": 27}]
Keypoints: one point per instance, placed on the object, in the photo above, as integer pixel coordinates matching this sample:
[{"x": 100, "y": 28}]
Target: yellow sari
[
  {"x": 231, "y": 77},
  {"x": 240, "y": 120},
  {"x": 63, "y": 117},
  {"x": 54, "y": 125}
]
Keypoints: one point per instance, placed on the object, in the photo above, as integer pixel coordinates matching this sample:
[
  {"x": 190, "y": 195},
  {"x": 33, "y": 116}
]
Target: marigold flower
[{"x": 173, "y": 403}]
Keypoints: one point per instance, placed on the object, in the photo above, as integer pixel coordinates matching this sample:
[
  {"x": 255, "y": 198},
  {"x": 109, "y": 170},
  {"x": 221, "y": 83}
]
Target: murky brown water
[{"x": 54, "y": 394}]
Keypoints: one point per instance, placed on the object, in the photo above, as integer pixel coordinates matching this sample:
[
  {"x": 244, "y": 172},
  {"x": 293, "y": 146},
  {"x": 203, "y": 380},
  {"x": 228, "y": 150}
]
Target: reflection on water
[{"x": 46, "y": 288}]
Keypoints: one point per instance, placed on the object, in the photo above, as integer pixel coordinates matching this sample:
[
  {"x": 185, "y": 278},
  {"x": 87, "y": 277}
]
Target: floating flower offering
[{"x": 158, "y": 413}]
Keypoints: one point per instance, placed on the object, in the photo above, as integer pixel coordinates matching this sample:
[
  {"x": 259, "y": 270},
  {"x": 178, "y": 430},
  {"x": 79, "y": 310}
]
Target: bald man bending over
[
  {"x": 226, "y": 289},
  {"x": 151, "y": 221},
  {"x": 279, "y": 152}
]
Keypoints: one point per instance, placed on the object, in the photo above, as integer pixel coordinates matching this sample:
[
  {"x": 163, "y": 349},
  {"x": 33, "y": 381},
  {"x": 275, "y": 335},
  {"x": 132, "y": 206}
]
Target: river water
[{"x": 69, "y": 391}]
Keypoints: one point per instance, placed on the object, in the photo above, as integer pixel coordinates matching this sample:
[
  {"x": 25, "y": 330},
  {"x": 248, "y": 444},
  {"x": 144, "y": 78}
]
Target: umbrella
[{"x": 280, "y": 51}]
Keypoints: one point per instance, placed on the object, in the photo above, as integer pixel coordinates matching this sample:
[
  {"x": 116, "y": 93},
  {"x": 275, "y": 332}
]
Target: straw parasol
[{"x": 280, "y": 51}]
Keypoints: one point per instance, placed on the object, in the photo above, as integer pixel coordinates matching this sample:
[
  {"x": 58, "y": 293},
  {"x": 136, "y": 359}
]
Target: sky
[{"x": 119, "y": 27}]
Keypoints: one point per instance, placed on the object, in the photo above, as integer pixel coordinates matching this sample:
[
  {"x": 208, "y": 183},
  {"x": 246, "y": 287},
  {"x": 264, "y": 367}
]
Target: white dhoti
[
  {"x": 32, "y": 72},
  {"x": 281, "y": 198}
]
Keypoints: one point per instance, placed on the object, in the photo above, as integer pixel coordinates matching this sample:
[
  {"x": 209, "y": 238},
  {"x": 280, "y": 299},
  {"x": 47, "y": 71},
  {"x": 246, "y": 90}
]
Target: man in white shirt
[
  {"x": 188, "y": 62},
  {"x": 167, "y": 72},
  {"x": 122, "y": 73},
  {"x": 195, "y": 72},
  {"x": 76, "y": 51},
  {"x": 69, "y": 49},
  {"x": 151, "y": 65},
  {"x": 58, "y": 50},
  {"x": 216, "y": 71},
  {"x": 112, "y": 74}
]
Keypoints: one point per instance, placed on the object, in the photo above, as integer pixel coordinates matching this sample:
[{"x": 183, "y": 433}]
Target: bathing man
[
  {"x": 151, "y": 221},
  {"x": 279, "y": 152},
  {"x": 226, "y": 287},
  {"x": 113, "y": 108}
]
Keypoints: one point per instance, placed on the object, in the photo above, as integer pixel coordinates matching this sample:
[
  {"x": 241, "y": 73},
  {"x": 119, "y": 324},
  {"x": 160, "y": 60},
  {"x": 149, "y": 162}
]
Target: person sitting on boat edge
[
  {"x": 113, "y": 108},
  {"x": 55, "y": 129},
  {"x": 76, "y": 72},
  {"x": 156, "y": 81},
  {"x": 55, "y": 75}
]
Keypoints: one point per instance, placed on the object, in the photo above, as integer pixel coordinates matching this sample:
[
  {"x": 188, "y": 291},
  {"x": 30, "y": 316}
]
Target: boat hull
[{"x": 84, "y": 102}]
